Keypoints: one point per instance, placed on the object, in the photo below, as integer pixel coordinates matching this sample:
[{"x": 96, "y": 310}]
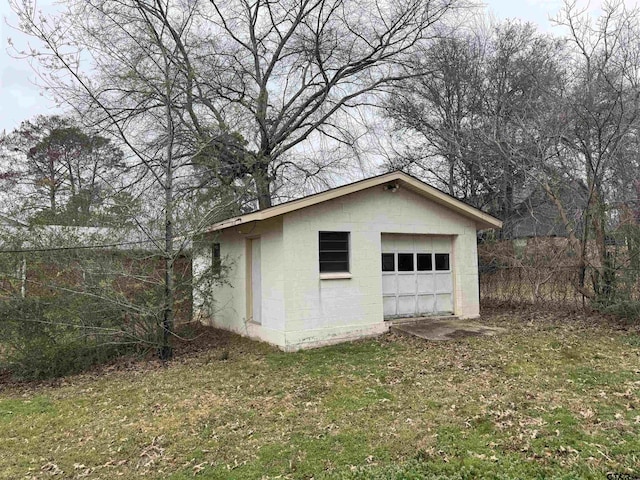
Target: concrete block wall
[
  {"x": 302, "y": 309},
  {"x": 325, "y": 310}
]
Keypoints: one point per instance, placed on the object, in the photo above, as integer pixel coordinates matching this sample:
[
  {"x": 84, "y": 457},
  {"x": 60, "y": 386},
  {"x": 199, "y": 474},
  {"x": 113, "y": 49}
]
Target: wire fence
[
  {"x": 558, "y": 286},
  {"x": 532, "y": 285},
  {"x": 120, "y": 277}
]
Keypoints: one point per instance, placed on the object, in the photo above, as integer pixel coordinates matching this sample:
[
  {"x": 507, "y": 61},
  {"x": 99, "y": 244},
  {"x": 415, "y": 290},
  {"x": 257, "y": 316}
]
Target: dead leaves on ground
[{"x": 508, "y": 393}]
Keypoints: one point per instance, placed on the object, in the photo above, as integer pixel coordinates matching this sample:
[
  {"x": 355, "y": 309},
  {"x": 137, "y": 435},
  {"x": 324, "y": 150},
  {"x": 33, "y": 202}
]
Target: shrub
[
  {"x": 626, "y": 309},
  {"x": 62, "y": 334}
]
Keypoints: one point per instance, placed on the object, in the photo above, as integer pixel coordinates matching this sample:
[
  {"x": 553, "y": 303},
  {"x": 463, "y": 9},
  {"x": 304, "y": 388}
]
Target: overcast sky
[{"x": 21, "y": 99}]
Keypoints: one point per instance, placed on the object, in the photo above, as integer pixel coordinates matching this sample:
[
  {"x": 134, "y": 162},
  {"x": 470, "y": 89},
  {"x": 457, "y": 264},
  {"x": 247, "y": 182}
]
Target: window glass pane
[
  {"x": 424, "y": 262},
  {"x": 334, "y": 256},
  {"x": 327, "y": 236},
  {"x": 328, "y": 267},
  {"x": 405, "y": 262},
  {"x": 388, "y": 262},
  {"x": 215, "y": 259},
  {"x": 333, "y": 246},
  {"x": 333, "y": 251},
  {"x": 442, "y": 261}
]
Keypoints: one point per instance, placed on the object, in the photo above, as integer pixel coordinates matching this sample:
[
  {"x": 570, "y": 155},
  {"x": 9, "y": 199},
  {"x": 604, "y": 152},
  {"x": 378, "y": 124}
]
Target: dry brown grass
[{"x": 558, "y": 395}]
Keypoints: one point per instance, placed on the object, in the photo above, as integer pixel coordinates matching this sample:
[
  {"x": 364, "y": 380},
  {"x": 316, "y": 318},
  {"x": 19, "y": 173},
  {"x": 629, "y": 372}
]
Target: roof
[{"x": 401, "y": 179}]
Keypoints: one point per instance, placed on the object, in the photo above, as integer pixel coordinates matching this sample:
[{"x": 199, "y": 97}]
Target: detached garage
[{"x": 341, "y": 264}]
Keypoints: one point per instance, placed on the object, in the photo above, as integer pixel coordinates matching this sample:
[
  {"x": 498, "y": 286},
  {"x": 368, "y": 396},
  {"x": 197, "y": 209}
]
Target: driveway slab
[{"x": 445, "y": 329}]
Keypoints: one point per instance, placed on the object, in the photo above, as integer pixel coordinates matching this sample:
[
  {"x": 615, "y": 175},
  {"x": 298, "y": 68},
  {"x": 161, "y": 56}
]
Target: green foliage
[
  {"x": 68, "y": 175},
  {"x": 617, "y": 285},
  {"x": 66, "y": 309},
  {"x": 625, "y": 309},
  {"x": 23, "y": 408},
  {"x": 633, "y": 340},
  {"x": 59, "y": 335}
]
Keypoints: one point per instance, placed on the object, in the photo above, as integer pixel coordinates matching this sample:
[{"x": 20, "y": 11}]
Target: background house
[
  {"x": 538, "y": 216},
  {"x": 334, "y": 266}
]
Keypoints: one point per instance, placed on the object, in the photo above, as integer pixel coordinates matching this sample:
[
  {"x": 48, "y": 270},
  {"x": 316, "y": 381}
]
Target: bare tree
[
  {"x": 236, "y": 86},
  {"x": 298, "y": 67},
  {"x": 602, "y": 113},
  {"x": 440, "y": 107},
  {"x": 136, "y": 89},
  {"x": 476, "y": 110}
]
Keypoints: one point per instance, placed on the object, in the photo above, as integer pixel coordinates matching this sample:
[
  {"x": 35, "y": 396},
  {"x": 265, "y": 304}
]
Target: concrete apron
[{"x": 439, "y": 328}]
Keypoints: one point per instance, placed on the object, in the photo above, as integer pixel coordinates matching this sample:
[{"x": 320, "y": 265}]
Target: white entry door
[
  {"x": 416, "y": 275},
  {"x": 255, "y": 280}
]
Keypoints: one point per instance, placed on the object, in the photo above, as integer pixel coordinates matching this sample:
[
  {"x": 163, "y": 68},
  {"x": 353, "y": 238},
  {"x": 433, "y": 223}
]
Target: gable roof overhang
[{"x": 388, "y": 180}]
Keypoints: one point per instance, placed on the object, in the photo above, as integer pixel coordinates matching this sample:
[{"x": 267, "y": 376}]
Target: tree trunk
[
  {"x": 605, "y": 277},
  {"x": 52, "y": 199},
  {"x": 578, "y": 246},
  {"x": 263, "y": 184},
  {"x": 166, "y": 350}
]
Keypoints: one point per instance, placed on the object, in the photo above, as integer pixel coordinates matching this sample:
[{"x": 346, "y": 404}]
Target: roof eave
[{"x": 483, "y": 220}]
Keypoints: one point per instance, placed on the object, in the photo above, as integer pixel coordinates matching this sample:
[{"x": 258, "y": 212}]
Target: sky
[{"x": 21, "y": 98}]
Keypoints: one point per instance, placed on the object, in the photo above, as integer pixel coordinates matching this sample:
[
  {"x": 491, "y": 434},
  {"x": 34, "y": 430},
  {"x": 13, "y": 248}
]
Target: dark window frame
[{"x": 334, "y": 247}]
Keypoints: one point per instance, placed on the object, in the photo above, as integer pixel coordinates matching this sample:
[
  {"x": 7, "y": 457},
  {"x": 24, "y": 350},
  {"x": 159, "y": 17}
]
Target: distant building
[{"x": 538, "y": 216}]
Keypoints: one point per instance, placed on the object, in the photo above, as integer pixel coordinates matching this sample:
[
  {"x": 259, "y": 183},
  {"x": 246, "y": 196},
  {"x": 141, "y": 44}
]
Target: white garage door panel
[
  {"x": 426, "y": 283},
  {"x": 443, "y": 283},
  {"x": 389, "y": 283},
  {"x": 406, "y": 305},
  {"x": 406, "y": 284},
  {"x": 389, "y": 305},
  {"x": 443, "y": 303},
  {"x": 417, "y": 292},
  {"x": 426, "y": 303}
]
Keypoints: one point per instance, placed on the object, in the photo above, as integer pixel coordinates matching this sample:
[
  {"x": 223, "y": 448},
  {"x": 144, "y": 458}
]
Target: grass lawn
[{"x": 557, "y": 396}]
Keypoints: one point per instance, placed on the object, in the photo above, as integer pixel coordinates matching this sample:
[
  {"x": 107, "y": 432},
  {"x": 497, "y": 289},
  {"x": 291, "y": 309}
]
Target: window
[
  {"x": 388, "y": 262},
  {"x": 442, "y": 261},
  {"x": 334, "y": 252},
  {"x": 215, "y": 258},
  {"x": 405, "y": 262},
  {"x": 424, "y": 262}
]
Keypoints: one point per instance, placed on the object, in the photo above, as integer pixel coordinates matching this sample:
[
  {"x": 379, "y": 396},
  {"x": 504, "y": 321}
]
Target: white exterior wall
[
  {"x": 229, "y": 310},
  {"x": 323, "y": 311},
  {"x": 299, "y": 309}
]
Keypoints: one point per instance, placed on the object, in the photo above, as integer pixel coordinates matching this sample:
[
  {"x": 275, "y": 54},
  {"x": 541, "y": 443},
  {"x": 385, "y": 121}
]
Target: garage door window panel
[
  {"x": 405, "y": 262},
  {"x": 388, "y": 262},
  {"x": 442, "y": 262},
  {"x": 424, "y": 262}
]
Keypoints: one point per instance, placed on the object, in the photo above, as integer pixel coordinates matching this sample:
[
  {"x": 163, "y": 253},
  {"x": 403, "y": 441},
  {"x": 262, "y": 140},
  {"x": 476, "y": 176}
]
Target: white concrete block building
[{"x": 338, "y": 265}]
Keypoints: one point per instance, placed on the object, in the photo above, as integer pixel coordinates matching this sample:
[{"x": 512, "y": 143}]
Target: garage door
[{"x": 416, "y": 275}]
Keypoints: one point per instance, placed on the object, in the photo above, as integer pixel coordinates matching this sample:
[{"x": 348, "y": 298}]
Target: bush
[
  {"x": 62, "y": 334},
  {"x": 626, "y": 309}
]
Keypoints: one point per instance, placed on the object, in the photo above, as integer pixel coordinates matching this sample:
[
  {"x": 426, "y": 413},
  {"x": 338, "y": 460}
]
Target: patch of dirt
[
  {"x": 196, "y": 338},
  {"x": 463, "y": 334}
]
